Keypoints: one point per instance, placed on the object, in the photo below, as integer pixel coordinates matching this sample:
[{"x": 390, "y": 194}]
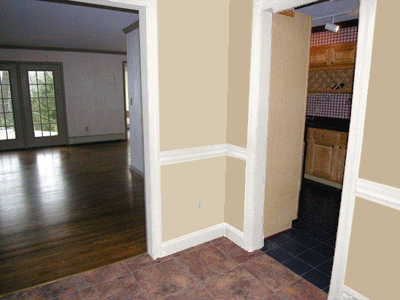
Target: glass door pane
[
  {"x": 11, "y": 132},
  {"x": 44, "y": 108},
  {"x": 43, "y": 103},
  {"x": 7, "y": 131}
]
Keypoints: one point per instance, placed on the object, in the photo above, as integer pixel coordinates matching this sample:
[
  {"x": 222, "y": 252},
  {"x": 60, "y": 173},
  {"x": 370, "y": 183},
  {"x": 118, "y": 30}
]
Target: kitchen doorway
[
  {"x": 32, "y": 105},
  {"x": 309, "y": 247}
]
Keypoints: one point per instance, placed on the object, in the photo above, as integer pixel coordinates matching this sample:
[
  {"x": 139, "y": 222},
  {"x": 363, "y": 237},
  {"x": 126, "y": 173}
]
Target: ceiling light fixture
[{"x": 332, "y": 26}]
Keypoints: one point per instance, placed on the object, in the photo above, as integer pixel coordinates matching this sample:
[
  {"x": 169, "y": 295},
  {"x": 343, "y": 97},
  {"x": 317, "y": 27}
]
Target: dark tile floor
[
  {"x": 308, "y": 248},
  {"x": 218, "y": 269}
]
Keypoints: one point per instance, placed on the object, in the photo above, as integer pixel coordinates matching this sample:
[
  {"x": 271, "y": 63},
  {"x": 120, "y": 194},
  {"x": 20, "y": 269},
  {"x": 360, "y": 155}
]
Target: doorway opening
[
  {"x": 308, "y": 248},
  {"x": 66, "y": 210},
  {"x": 126, "y": 96}
]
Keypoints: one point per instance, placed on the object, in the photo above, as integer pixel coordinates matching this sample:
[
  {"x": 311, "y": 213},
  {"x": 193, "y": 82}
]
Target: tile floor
[
  {"x": 307, "y": 249},
  {"x": 218, "y": 269}
]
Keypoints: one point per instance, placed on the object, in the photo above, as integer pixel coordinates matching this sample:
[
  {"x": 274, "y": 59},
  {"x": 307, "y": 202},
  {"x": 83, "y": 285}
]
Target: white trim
[
  {"x": 200, "y": 237},
  {"x": 257, "y": 129},
  {"x": 136, "y": 170},
  {"x": 190, "y": 154},
  {"x": 236, "y": 152},
  {"x": 346, "y": 293},
  {"x": 235, "y": 235},
  {"x": 275, "y": 6},
  {"x": 73, "y": 140},
  {"x": 151, "y": 124},
  {"x": 150, "y": 105},
  {"x": 379, "y": 193},
  {"x": 193, "y": 239},
  {"x": 360, "y": 92}
]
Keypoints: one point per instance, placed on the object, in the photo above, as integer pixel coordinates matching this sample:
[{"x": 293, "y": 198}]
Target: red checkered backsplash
[
  {"x": 329, "y": 105},
  {"x": 324, "y": 104},
  {"x": 345, "y": 35}
]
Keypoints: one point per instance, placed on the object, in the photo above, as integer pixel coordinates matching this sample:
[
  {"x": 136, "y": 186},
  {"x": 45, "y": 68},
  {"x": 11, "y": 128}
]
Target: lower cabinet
[{"x": 326, "y": 154}]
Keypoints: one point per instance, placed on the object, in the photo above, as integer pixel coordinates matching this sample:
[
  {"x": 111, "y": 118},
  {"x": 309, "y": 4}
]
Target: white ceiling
[
  {"x": 349, "y": 7},
  {"x": 50, "y": 24}
]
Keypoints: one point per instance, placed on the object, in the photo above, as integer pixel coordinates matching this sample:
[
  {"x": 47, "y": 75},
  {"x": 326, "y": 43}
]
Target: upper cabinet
[
  {"x": 333, "y": 56},
  {"x": 332, "y": 68}
]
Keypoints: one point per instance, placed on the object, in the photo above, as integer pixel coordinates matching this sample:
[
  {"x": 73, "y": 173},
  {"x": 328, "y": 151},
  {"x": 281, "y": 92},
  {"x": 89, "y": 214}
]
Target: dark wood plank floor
[{"x": 66, "y": 210}]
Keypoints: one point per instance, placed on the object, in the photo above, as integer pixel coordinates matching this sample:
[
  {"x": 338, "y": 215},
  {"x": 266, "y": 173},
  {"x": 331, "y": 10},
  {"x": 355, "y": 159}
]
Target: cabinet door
[
  {"x": 322, "y": 157},
  {"x": 326, "y": 154},
  {"x": 343, "y": 54},
  {"x": 319, "y": 56}
]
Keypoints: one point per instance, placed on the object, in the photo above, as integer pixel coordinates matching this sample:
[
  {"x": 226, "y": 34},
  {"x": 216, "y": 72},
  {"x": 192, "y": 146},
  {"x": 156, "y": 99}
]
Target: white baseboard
[
  {"x": 136, "y": 170},
  {"x": 202, "y": 236},
  {"x": 346, "y": 293},
  {"x": 234, "y": 235},
  {"x": 96, "y": 138}
]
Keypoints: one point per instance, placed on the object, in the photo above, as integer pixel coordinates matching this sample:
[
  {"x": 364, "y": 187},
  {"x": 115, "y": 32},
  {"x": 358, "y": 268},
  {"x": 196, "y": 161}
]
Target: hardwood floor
[{"x": 66, "y": 210}]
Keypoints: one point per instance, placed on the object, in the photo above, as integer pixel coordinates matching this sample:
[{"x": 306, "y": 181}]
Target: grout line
[
  {"x": 312, "y": 268},
  {"x": 143, "y": 291},
  {"x": 212, "y": 296}
]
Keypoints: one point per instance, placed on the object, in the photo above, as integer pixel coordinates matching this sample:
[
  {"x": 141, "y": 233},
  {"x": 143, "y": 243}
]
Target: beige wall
[
  {"x": 193, "y": 72},
  {"x": 182, "y": 185},
  {"x": 373, "y": 264},
  {"x": 287, "y": 104},
  {"x": 203, "y": 45},
  {"x": 380, "y": 153},
  {"x": 235, "y": 180},
  {"x": 240, "y": 24}
]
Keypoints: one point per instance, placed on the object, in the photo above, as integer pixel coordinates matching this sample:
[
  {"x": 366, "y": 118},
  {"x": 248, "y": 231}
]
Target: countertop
[{"x": 328, "y": 123}]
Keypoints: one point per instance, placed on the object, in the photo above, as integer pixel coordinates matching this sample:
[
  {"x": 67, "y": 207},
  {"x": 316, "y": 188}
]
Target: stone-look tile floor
[{"x": 218, "y": 269}]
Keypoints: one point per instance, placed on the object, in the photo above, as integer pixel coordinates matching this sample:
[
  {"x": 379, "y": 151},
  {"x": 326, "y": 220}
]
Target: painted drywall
[
  {"x": 380, "y": 152},
  {"x": 373, "y": 265},
  {"x": 182, "y": 186},
  {"x": 235, "y": 180},
  {"x": 93, "y": 83},
  {"x": 135, "y": 107},
  {"x": 287, "y": 105},
  {"x": 239, "y": 71},
  {"x": 193, "y": 41}
]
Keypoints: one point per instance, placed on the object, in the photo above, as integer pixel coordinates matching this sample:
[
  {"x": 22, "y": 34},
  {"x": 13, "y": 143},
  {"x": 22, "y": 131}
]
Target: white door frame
[
  {"x": 258, "y": 128},
  {"x": 150, "y": 105}
]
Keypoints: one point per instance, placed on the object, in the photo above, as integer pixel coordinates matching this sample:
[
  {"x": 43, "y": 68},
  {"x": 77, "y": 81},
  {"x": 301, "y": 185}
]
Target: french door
[{"x": 32, "y": 108}]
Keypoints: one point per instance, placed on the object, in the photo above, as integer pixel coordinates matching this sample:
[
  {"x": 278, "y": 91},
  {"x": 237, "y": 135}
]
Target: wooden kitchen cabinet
[
  {"x": 329, "y": 56},
  {"x": 326, "y": 154}
]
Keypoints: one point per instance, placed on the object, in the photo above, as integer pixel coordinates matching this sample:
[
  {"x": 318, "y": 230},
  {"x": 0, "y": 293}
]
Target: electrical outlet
[
  {"x": 87, "y": 128},
  {"x": 199, "y": 204}
]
